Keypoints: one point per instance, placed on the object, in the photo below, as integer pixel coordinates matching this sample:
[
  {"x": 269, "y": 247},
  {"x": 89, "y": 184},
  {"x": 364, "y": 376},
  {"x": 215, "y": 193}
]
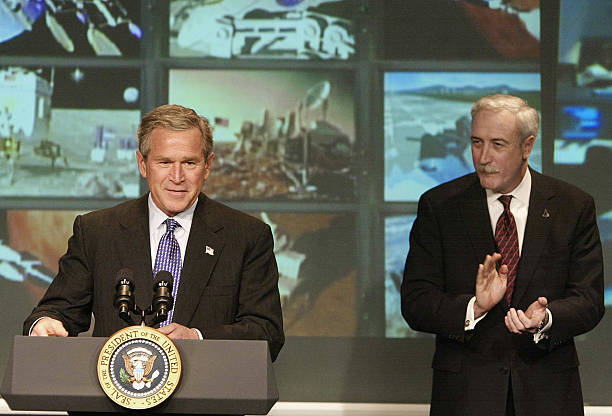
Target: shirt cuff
[
  {"x": 543, "y": 333},
  {"x": 470, "y": 321},
  {"x": 34, "y": 324},
  {"x": 199, "y": 333}
]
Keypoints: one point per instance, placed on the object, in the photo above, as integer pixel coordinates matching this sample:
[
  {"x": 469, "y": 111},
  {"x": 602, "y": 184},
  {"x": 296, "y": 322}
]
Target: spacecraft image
[
  {"x": 83, "y": 27},
  {"x": 262, "y": 29},
  {"x": 60, "y": 136},
  {"x": 296, "y": 142}
]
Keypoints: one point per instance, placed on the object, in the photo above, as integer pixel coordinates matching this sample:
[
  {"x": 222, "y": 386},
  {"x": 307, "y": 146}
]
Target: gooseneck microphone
[
  {"x": 124, "y": 294},
  {"x": 162, "y": 296}
]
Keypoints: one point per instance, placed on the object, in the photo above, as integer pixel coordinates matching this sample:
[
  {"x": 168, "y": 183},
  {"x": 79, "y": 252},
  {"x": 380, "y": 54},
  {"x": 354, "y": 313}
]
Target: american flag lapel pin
[{"x": 210, "y": 251}]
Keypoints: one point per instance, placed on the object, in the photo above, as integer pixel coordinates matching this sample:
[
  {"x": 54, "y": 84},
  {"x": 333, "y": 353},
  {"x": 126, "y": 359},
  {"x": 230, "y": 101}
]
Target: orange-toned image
[
  {"x": 36, "y": 240},
  {"x": 28, "y": 262},
  {"x": 316, "y": 254}
]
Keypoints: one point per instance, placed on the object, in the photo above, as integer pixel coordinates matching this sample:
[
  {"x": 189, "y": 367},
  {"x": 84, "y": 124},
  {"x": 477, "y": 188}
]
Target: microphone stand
[{"x": 142, "y": 313}]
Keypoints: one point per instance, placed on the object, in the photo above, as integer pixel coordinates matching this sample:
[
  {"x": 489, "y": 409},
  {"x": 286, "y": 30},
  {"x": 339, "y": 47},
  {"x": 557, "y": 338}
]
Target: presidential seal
[{"x": 139, "y": 367}]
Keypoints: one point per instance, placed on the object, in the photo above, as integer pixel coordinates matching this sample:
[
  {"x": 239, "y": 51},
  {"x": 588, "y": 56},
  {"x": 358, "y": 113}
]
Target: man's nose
[
  {"x": 485, "y": 154},
  {"x": 176, "y": 173}
]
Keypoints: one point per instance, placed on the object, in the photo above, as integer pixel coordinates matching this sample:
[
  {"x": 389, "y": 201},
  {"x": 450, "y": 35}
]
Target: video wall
[
  {"x": 583, "y": 136},
  {"x": 330, "y": 117}
]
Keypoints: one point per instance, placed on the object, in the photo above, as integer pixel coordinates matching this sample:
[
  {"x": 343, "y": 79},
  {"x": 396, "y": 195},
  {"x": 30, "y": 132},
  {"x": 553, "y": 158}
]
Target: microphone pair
[{"x": 161, "y": 303}]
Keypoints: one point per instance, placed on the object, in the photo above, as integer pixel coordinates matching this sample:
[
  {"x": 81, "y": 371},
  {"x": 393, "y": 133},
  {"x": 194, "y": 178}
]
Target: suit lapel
[
  {"x": 203, "y": 250},
  {"x": 133, "y": 248},
  {"x": 475, "y": 214},
  {"x": 537, "y": 230}
]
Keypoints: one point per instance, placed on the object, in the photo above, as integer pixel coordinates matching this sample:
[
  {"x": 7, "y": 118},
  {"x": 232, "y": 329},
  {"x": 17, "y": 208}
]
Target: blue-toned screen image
[
  {"x": 604, "y": 222},
  {"x": 70, "y": 27},
  {"x": 584, "y": 133},
  {"x": 427, "y": 125},
  {"x": 397, "y": 231},
  {"x": 580, "y": 123}
]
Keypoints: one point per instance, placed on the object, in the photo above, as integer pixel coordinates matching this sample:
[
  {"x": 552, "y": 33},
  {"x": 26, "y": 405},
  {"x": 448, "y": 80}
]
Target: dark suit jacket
[
  {"x": 232, "y": 294},
  {"x": 561, "y": 259}
]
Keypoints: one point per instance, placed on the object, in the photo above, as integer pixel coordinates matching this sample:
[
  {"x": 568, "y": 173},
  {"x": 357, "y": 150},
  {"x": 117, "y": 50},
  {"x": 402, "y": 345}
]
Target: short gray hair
[{"x": 527, "y": 117}]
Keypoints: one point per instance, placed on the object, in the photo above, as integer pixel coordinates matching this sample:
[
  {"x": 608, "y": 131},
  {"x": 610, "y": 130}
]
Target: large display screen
[
  {"x": 69, "y": 132},
  {"x": 284, "y": 135},
  {"x": 263, "y": 29},
  {"x": 583, "y": 139},
  {"x": 427, "y": 125},
  {"x": 317, "y": 273},
  {"x": 70, "y": 27},
  {"x": 460, "y": 30},
  {"x": 397, "y": 244}
]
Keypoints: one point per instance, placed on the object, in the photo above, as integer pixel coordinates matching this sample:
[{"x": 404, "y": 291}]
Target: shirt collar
[
  {"x": 520, "y": 193},
  {"x": 157, "y": 216}
]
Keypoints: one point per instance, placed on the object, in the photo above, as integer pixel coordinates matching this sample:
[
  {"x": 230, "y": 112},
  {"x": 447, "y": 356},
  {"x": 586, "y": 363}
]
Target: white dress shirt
[
  {"x": 519, "y": 206},
  {"x": 157, "y": 228}
]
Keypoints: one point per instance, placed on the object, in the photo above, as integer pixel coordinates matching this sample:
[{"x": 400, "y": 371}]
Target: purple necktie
[
  {"x": 506, "y": 238},
  {"x": 169, "y": 258}
]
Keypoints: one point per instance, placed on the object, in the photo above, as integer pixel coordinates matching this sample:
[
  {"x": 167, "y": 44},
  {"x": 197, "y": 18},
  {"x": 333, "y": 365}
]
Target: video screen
[
  {"x": 427, "y": 125},
  {"x": 460, "y": 30},
  {"x": 70, "y": 28},
  {"x": 263, "y": 29},
  {"x": 29, "y": 254},
  {"x": 397, "y": 244},
  {"x": 583, "y": 141},
  {"x": 69, "y": 132},
  {"x": 279, "y": 134},
  {"x": 315, "y": 254}
]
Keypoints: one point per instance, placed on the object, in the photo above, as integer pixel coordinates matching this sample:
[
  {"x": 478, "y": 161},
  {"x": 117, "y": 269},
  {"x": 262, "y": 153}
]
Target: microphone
[
  {"x": 162, "y": 296},
  {"x": 124, "y": 294}
]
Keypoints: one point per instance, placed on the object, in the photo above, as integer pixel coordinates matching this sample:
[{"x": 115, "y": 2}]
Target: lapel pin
[
  {"x": 210, "y": 251},
  {"x": 545, "y": 214}
]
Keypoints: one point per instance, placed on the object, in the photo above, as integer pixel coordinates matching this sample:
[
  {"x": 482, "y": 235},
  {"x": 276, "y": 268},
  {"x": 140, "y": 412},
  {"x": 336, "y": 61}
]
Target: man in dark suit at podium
[
  {"x": 505, "y": 267},
  {"x": 222, "y": 261}
]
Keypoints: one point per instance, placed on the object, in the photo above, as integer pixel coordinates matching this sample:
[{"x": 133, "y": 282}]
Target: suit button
[{"x": 503, "y": 370}]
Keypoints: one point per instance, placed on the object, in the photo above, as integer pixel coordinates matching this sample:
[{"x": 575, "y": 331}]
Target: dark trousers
[{"x": 510, "y": 400}]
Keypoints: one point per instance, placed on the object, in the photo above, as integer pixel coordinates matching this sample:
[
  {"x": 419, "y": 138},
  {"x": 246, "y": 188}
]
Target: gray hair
[{"x": 527, "y": 117}]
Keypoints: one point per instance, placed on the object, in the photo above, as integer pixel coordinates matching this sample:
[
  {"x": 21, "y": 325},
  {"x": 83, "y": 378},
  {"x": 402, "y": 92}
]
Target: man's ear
[
  {"x": 527, "y": 146},
  {"x": 208, "y": 163},
  {"x": 142, "y": 164}
]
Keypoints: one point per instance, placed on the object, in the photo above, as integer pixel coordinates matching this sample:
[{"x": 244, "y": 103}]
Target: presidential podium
[{"x": 218, "y": 377}]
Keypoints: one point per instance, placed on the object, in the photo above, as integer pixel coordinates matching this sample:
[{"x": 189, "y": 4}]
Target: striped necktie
[
  {"x": 169, "y": 258},
  {"x": 506, "y": 238}
]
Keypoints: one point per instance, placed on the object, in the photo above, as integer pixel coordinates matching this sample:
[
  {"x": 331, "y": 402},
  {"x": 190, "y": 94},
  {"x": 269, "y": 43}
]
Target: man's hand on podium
[
  {"x": 49, "y": 327},
  {"x": 177, "y": 331}
]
